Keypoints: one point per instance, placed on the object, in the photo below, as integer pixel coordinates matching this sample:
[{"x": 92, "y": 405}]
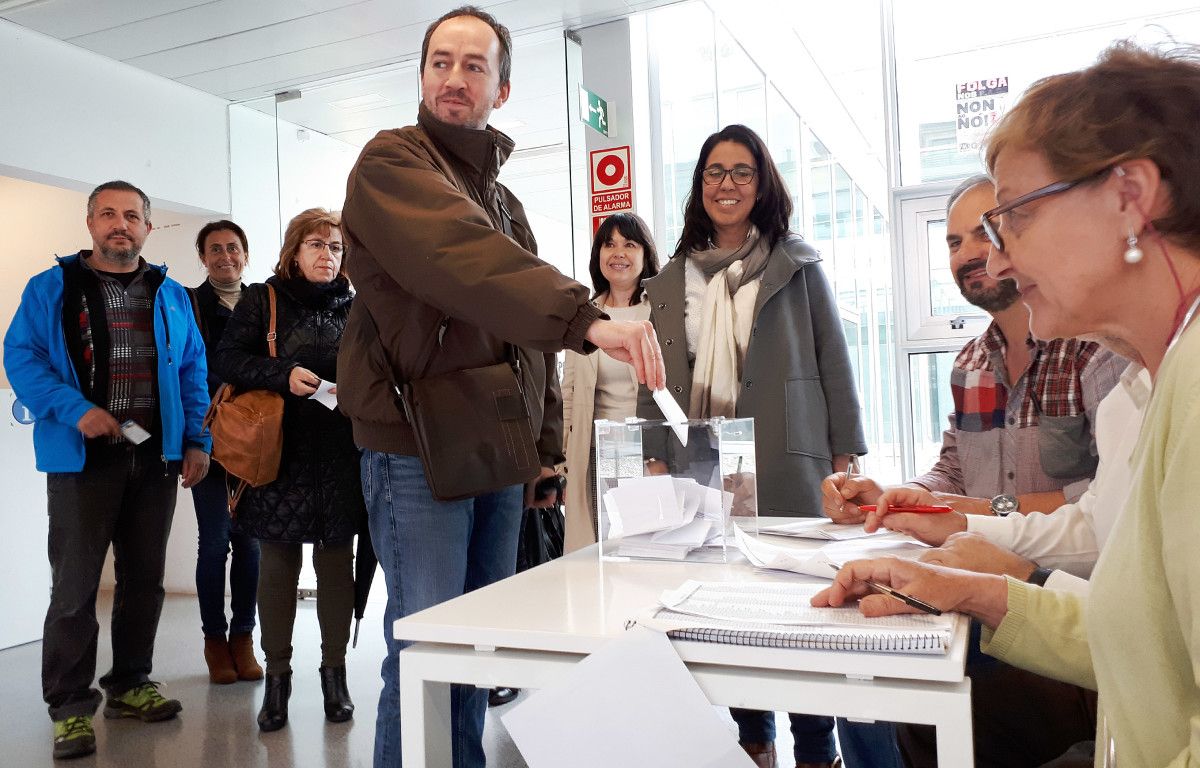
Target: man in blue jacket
[{"x": 106, "y": 355}]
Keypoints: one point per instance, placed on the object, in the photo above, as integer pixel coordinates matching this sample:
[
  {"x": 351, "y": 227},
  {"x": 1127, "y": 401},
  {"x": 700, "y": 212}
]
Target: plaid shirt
[
  {"x": 128, "y": 315},
  {"x": 997, "y": 441}
]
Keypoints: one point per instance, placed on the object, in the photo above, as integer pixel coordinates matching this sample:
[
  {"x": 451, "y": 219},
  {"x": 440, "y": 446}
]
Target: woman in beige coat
[{"x": 623, "y": 255}]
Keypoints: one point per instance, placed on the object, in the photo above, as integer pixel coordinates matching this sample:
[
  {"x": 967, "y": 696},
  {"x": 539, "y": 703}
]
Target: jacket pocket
[
  {"x": 807, "y": 418},
  {"x": 364, "y": 384}
]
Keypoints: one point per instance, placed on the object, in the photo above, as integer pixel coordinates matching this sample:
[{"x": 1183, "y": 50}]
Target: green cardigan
[{"x": 1138, "y": 636}]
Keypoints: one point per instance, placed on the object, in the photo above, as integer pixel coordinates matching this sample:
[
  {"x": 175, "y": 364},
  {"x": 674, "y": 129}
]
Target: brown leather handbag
[
  {"x": 471, "y": 426},
  {"x": 247, "y": 429}
]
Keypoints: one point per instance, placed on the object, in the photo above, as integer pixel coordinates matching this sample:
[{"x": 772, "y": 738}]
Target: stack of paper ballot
[{"x": 664, "y": 517}]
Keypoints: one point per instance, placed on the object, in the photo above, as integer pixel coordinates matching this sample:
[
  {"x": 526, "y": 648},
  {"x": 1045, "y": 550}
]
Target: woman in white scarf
[{"x": 748, "y": 302}]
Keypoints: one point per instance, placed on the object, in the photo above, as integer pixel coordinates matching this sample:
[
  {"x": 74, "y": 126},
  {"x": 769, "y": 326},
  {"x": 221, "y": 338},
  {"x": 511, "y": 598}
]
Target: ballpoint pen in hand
[
  {"x": 919, "y": 508},
  {"x": 920, "y": 605},
  {"x": 851, "y": 468}
]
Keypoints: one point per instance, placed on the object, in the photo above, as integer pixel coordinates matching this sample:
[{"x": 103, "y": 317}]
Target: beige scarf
[{"x": 725, "y": 324}]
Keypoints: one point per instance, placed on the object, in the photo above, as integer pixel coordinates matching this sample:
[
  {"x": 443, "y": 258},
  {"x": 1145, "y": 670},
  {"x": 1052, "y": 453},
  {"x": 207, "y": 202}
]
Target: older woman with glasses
[
  {"x": 317, "y": 496},
  {"x": 1098, "y": 179},
  {"x": 749, "y": 327}
]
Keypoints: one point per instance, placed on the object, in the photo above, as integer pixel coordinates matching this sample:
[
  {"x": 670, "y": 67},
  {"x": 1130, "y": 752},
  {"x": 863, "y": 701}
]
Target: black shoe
[
  {"x": 274, "y": 712},
  {"x": 498, "y": 696},
  {"x": 338, "y": 706}
]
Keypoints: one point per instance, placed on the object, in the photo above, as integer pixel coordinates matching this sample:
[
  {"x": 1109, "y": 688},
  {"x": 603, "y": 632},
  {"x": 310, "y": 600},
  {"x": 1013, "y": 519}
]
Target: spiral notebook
[{"x": 778, "y": 615}]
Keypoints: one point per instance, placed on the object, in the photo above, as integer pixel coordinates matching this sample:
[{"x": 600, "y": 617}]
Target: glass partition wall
[{"x": 710, "y": 71}]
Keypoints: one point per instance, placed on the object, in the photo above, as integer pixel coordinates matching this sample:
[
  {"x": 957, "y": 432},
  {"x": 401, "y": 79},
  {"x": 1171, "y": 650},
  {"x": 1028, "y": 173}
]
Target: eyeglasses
[
  {"x": 320, "y": 245},
  {"x": 992, "y": 229},
  {"x": 741, "y": 175}
]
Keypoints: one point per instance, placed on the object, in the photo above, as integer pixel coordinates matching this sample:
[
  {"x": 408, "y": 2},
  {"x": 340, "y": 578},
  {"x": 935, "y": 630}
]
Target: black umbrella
[{"x": 364, "y": 572}]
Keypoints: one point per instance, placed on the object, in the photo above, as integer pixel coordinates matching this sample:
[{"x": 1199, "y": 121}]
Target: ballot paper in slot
[{"x": 659, "y": 498}]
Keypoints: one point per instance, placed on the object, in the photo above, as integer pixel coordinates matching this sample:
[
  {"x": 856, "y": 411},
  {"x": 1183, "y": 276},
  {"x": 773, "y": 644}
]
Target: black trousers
[
  {"x": 126, "y": 497},
  {"x": 1021, "y": 720},
  {"x": 278, "y": 577}
]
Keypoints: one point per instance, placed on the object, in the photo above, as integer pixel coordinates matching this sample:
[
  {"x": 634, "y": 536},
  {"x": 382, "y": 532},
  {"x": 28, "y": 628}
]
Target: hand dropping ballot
[{"x": 673, "y": 414}]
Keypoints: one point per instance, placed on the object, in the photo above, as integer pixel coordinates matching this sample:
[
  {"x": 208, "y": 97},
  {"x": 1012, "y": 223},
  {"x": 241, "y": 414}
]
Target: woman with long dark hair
[
  {"x": 595, "y": 386},
  {"x": 749, "y": 327}
]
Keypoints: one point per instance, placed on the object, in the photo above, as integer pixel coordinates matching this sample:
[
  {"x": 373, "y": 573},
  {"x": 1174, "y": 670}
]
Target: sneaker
[
  {"x": 74, "y": 737},
  {"x": 144, "y": 702}
]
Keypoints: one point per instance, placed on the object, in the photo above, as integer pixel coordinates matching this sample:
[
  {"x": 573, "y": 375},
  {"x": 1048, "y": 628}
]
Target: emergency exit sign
[{"x": 593, "y": 110}]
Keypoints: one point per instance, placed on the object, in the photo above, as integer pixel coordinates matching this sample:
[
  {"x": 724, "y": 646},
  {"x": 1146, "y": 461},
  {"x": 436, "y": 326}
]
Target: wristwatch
[
  {"x": 1040, "y": 576},
  {"x": 1004, "y": 505}
]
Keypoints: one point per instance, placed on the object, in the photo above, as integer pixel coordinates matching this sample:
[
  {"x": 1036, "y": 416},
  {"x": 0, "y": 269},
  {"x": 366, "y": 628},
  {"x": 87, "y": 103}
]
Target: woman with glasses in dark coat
[{"x": 317, "y": 496}]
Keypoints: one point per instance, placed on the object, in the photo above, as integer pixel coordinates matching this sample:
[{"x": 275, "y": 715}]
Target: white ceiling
[
  {"x": 355, "y": 60},
  {"x": 241, "y": 49}
]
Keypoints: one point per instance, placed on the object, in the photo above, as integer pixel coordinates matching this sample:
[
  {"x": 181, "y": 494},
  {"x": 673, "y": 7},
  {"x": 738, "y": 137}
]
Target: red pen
[{"x": 905, "y": 508}]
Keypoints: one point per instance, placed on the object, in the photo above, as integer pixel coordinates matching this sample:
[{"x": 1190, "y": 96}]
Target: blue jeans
[
  {"x": 869, "y": 745},
  {"x": 432, "y": 551},
  {"x": 216, "y": 541},
  {"x": 812, "y": 735}
]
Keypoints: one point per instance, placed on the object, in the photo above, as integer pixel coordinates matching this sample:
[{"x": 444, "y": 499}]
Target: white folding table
[{"x": 527, "y": 631}]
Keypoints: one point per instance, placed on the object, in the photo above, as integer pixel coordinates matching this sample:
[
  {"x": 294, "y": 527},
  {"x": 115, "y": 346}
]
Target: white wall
[
  {"x": 24, "y": 570},
  {"x": 73, "y": 118}
]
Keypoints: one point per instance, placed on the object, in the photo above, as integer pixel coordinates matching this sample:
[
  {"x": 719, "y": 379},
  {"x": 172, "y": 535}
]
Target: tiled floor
[{"x": 217, "y": 727}]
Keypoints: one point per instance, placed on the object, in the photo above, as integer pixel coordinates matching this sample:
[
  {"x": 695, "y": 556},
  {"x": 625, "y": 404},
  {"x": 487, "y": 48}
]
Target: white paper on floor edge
[{"x": 633, "y": 702}]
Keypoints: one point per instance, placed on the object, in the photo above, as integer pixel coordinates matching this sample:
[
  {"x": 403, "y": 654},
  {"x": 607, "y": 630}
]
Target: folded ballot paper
[
  {"x": 817, "y": 563},
  {"x": 660, "y": 516}
]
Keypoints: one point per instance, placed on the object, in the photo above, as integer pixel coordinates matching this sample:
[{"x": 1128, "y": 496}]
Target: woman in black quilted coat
[{"x": 317, "y": 496}]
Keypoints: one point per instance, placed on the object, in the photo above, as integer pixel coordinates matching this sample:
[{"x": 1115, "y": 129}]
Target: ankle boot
[
  {"x": 241, "y": 648},
  {"x": 219, "y": 660},
  {"x": 338, "y": 707},
  {"x": 274, "y": 712}
]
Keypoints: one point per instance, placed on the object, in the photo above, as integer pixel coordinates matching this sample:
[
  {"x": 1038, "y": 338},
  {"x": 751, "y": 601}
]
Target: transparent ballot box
[{"x": 663, "y": 497}]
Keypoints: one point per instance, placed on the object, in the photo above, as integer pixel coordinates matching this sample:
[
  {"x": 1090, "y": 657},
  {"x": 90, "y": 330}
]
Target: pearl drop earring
[{"x": 1133, "y": 254}]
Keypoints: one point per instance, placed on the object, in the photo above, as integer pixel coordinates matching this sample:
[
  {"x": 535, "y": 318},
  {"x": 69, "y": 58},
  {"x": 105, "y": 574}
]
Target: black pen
[{"x": 920, "y": 605}]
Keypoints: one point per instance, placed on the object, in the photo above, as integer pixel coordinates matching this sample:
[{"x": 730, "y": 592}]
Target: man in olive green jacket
[{"x": 432, "y": 234}]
